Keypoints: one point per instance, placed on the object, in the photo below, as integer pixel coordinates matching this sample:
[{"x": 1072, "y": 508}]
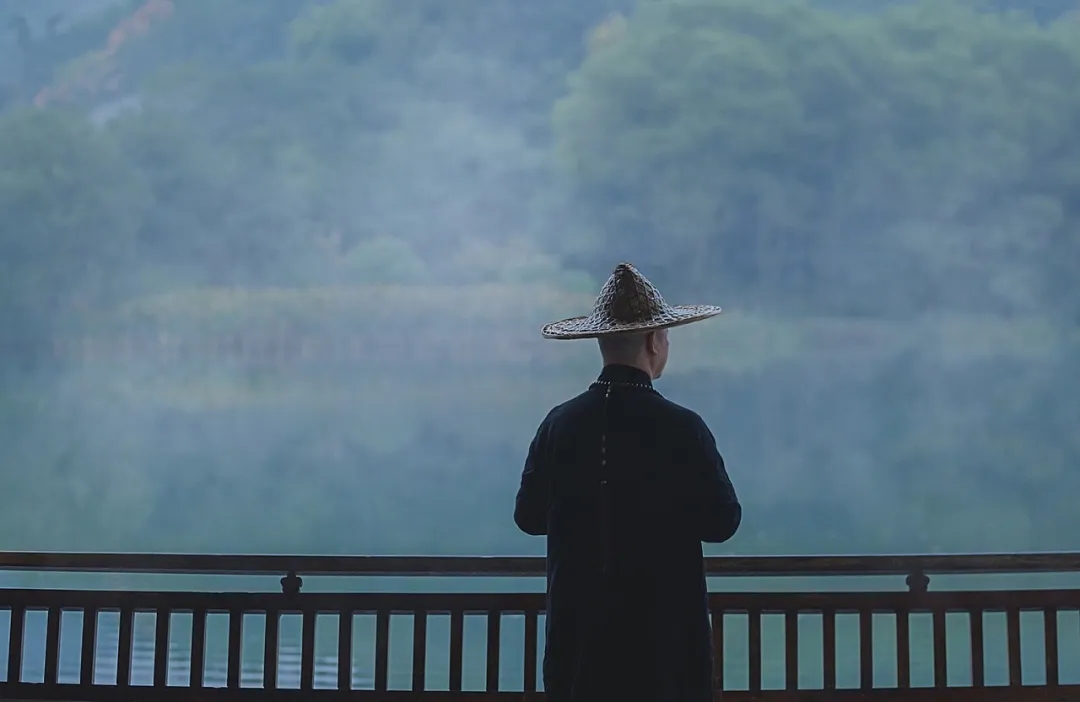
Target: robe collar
[{"x": 618, "y": 374}]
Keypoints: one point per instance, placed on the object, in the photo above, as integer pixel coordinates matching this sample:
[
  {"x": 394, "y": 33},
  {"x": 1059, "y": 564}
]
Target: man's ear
[{"x": 652, "y": 343}]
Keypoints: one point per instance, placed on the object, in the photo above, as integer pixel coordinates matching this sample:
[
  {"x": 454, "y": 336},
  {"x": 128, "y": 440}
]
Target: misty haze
[{"x": 273, "y": 272}]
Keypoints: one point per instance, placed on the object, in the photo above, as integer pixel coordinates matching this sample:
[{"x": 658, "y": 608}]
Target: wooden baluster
[
  {"x": 866, "y": 649},
  {"x": 307, "y": 649},
  {"x": 52, "y": 646},
  {"x": 270, "y": 649},
  {"x": 978, "y": 669},
  {"x": 791, "y": 650},
  {"x": 161, "y": 647},
  {"x": 828, "y": 648},
  {"x": 236, "y": 633},
  {"x": 718, "y": 647},
  {"x": 198, "y": 647},
  {"x": 1050, "y": 633},
  {"x": 344, "y": 650},
  {"x": 754, "y": 649},
  {"x": 941, "y": 668},
  {"x": 1012, "y": 624},
  {"x": 531, "y": 645},
  {"x": 382, "y": 648},
  {"x": 419, "y": 656},
  {"x": 903, "y": 649},
  {"x": 494, "y": 639},
  {"x": 123, "y": 653},
  {"x": 88, "y": 657},
  {"x": 457, "y": 635},
  {"x": 15, "y": 643}
]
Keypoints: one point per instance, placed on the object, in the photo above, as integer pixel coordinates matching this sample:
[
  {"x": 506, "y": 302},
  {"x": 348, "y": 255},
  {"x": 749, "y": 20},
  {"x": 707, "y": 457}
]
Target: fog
[{"x": 272, "y": 274}]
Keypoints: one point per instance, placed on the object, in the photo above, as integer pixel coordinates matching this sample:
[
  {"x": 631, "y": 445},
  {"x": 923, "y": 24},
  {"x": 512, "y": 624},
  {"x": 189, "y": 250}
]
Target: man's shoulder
[
  {"x": 568, "y": 407},
  {"x": 681, "y": 413}
]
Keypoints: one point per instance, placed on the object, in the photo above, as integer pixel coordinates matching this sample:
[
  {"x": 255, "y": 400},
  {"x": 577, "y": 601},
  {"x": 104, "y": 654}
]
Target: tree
[
  {"x": 871, "y": 163},
  {"x": 71, "y": 208},
  {"x": 378, "y": 177}
]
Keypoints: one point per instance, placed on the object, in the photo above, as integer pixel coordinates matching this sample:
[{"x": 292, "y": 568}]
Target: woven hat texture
[{"x": 627, "y": 303}]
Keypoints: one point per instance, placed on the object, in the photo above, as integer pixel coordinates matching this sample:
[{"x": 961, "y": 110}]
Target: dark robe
[{"x": 626, "y": 485}]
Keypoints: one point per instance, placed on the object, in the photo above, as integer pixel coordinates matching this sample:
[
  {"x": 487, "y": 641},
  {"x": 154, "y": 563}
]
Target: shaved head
[
  {"x": 621, "y": 348},
  {"x": 647, "y": 351}
]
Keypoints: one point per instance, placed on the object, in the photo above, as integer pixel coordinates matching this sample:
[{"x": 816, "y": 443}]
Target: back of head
[
  {"x": 626, "y": 349},
  {"x": 645, "y": 350}
]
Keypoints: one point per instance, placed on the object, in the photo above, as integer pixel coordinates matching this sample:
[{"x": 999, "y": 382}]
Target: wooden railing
[{"x": 805, "y": 656}]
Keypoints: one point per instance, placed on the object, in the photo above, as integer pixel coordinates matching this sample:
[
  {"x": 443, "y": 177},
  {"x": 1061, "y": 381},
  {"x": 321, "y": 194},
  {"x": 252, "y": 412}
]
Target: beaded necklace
[{"x": 610, "y": 384}]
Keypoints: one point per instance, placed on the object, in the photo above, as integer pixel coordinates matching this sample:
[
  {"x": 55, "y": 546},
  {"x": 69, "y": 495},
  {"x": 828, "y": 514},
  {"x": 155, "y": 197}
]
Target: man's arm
[
  {"x": 534, "y": 495},
  {"x": 715, "y": 509}
]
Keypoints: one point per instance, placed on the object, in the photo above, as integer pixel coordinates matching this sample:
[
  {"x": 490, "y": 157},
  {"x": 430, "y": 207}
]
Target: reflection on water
[{"x": 511, "y": 665}]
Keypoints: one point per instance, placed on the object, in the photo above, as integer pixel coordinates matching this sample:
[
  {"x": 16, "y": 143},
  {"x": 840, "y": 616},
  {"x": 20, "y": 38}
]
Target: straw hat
[{"x": 628, "y": 302}]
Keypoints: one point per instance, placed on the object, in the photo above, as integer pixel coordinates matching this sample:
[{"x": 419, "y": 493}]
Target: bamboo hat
[{"x": 627, "y": 303}]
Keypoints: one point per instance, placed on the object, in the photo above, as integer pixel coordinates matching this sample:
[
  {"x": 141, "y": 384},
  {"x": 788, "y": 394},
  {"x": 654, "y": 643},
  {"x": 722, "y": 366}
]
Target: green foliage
[
  {"x": 71, "y": 209},
  {"x": 784, "y": 141},
  {"x": 384, "y": 260},
  {"x": 66, "y": 190},
  {"x": 398, "y": 193},
  {"x": 344, "y": 32},
  {"x": 229, "y": 34}
]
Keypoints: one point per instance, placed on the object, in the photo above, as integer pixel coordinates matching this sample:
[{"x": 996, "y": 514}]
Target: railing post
[
  {"x": 917, "y": 581},
  {"x": 291, "y": 584}
]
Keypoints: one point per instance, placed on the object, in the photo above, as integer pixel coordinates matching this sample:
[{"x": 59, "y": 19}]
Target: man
[{"x": 626, "y": 485}]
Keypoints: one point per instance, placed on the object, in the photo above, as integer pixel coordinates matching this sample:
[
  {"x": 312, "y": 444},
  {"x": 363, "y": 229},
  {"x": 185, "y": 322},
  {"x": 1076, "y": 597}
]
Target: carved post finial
[
  {"x": 917, "y": 581},
  {"x": 291, "y": 584}
]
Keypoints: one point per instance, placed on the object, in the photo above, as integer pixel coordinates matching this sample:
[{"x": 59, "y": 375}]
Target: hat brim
[{"x": 589, "y": 327}]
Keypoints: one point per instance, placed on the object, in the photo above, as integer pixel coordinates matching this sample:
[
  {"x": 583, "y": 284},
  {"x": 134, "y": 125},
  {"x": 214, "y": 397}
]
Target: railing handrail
[{"x": 524, "y": 566}]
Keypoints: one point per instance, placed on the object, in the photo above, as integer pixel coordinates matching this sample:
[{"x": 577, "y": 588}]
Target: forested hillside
[{"x": 272, "y": 273}]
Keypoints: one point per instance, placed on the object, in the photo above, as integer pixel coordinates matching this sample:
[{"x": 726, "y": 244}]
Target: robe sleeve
[
  {"x": 534, "y": 494},
  {"x": 714, "y": 507}
]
